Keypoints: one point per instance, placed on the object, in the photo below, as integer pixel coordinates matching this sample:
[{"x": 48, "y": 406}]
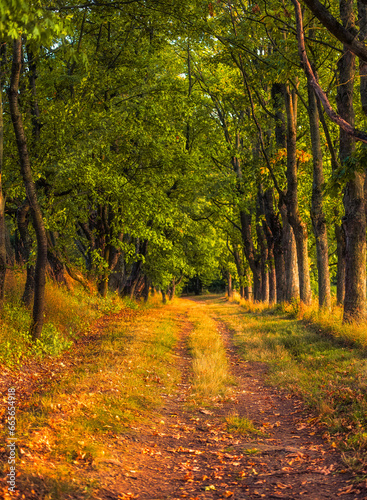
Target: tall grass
[
  {"x": 211, "y": 374},
  {"x": 325, "y": 322}
]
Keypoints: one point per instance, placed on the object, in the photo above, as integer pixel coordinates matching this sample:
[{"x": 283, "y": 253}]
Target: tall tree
[{"x": 29, "y": 184}]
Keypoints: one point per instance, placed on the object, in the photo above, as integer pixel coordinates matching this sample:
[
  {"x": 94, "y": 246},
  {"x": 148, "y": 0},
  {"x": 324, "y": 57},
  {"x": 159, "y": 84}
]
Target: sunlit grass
[
  {"x": 325, "y": 321},
  {"x": 69, "y": 313},
  {"x": 241, "y": 425},
  {"x": 249, "y": 305},
  {"x": 116, "y": 386},
  {"x": 211, "y": 373},
  {"x": 327, "y": 368}
]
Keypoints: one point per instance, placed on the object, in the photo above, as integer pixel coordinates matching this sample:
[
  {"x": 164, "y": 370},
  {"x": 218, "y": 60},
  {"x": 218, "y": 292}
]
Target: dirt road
[{"x": 190, "y": 452}]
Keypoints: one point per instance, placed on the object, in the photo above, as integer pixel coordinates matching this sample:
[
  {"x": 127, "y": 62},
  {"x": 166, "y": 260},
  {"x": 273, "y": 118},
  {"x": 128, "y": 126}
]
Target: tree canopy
[{"x": 144, "y": 143}]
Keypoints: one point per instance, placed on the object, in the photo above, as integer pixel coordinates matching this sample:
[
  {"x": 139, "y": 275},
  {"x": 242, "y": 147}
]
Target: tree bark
[
  {"x": 284, "y": 244},
  {"x": 354, "y": 223},
  {"x": 264, "y": 250},
  {"x": 24, "y": 249},
  {"x": 2, "y": 197},
  {"x": 25, "y": 167},
  {"x": 240, "y": 269},
  {"x": 291, "y": 199},
  {"x": 317, "y": 212},
  {"x": 145, "y": 293},
  {"x": 362, "y": 21},
  {"x": 290, "y": 258},
  {"x": 354, "y": 220},
  {"x": 276, "y": 246},
  {"x": 230, "y": 285},
  {"x": 250, "y": 253},
  {"x": 340, "y": 275},
  {"x": 359, "y": 135},
  {"x": 341, "y": 32}
]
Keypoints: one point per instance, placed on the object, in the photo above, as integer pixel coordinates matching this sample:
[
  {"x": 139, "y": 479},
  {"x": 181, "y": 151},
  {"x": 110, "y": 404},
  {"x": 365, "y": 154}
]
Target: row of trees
[{"x": 144, "y": 143}]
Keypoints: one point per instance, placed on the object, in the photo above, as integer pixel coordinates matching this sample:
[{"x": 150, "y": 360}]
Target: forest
[
  {"x": 151, "y": 143},
  {"x": 183, "y": 204}
]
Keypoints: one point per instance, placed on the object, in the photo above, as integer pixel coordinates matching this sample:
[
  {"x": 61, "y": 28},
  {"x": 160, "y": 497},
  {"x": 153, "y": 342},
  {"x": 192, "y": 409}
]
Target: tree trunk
[
  {"x": 2, "y": 237},
  {"x": 286, "y": 279},
  {"x": 56, "y": 267},
  {"x": 272, "y": 278},
  {"x": 339, "y": 233},
  {"x": 291, "y": 199},
  {"x": 2, "y": 197},
  {"x": 146, "y": 288},
  {"x": 240, "y": 269},
  {"x": 362, "y": 35},
  {"x": 130, "y": 285},
  {"x": 25, "y": 167},
  {"x": 354, "y": 220},
  {"x": 264, "y": 253},
  {"x": 23, "y": 251},
  {"x": 270, "y": 242},
  {"x": 317, "y": 212},
  {"x": 290, "y": 257},
  {"x": 354, "y": 223},
  {"x": 2, "y": 200},
  {"x": 275, "y": 234},
  {"x": 251, "y": 255},
  {"x": 172, "y": 289},
  {"x": 340, "y": 275},
  {"x": 248, "y": 291},
  {"x": 230, "y": 286}
]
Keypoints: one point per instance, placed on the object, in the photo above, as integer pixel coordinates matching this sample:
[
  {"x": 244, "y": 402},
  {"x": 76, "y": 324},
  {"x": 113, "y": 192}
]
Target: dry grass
[
  {"x": 317, "y": 358},
  {"x": 326, "y": 322},
  {"x": 116, "y": 384},
  {"x": 249, "y": 305},
  {"x": 211, "y": 374}
]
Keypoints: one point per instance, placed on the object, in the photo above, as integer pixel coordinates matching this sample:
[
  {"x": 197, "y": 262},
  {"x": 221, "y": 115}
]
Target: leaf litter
[{"x": 187, "y": 451}]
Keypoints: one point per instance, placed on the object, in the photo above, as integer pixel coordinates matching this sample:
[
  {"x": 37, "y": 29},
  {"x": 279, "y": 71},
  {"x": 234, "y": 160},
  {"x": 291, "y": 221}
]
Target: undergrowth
[
  {"x": 326, "y": 322},
  {"x": 69, "y": 312}
]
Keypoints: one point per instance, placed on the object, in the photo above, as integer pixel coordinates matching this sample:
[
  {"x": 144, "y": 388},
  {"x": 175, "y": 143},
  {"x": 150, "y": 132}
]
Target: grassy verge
[
  {"x": 66, "y": 437},
  {"x": 328, "y": 373},
  {"x": 211, "y": 373},
  {"x": 326, "y": 322}
]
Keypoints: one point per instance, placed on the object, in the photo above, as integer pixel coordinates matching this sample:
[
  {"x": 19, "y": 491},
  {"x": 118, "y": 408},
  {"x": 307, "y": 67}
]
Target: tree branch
[
  {"x": 357, "y": 134},
  {"x": 331, "y": 24}
]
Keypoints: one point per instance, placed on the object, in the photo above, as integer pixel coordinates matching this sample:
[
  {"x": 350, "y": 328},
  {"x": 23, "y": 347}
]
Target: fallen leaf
[
  {"x": 189, "y": 477},
  {"x": 205, "y": 412},
  {"x": 347, "y": 490}
]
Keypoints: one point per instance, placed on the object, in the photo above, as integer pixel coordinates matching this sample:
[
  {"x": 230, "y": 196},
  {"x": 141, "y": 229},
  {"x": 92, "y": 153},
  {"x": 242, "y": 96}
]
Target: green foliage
[
  {"x": 51, "y": 342},
  {"x": 241, "y": 425}
]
